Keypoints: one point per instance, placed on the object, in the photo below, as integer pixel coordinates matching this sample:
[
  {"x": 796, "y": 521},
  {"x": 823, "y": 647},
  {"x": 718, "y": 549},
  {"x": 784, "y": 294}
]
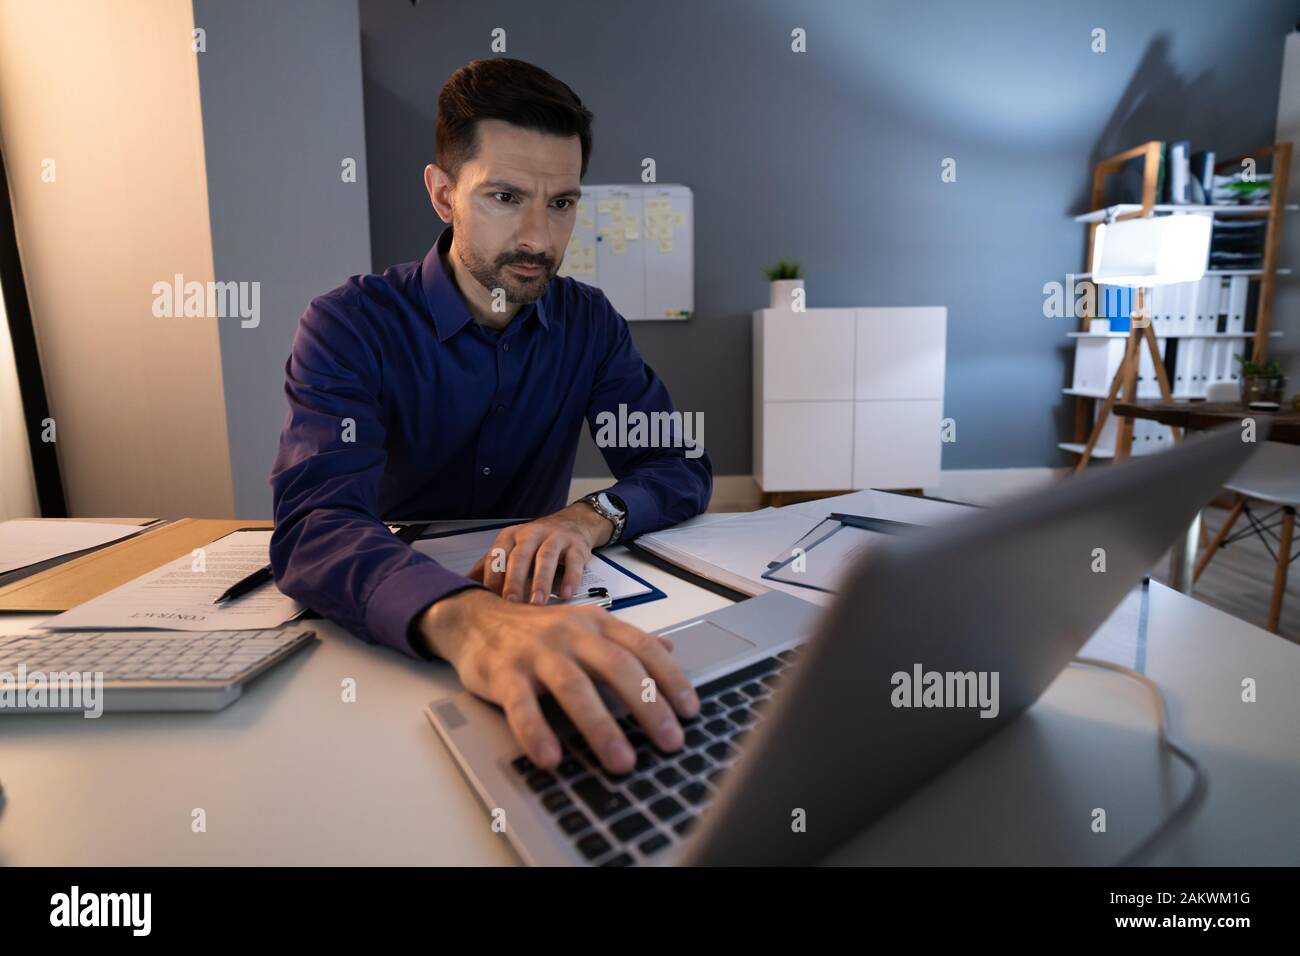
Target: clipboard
[
  {"x": 416, "y": 532},
  {"x": 826, "y": 529}
]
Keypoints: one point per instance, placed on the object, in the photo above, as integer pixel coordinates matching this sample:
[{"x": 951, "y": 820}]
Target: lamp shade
[{"x": 1153, "y": 251}]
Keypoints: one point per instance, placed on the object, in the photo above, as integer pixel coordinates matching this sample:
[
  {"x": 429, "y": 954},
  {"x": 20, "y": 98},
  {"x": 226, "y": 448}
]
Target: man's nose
[{"x": 534, "y": 230}]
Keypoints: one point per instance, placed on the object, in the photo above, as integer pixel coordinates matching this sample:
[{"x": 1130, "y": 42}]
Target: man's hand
[
  {"x": 510, "y": 653},
  {"x": 522, "y": 561}
]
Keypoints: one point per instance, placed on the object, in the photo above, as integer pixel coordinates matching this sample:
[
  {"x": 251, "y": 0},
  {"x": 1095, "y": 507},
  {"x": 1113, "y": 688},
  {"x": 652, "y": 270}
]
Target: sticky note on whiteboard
[{"x": 651, "y": 279}]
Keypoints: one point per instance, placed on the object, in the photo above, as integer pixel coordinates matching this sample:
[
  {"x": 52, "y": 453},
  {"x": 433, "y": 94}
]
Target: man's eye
[
  {"x": 507, "y": 196},
  {"x": 567, "y": 203}
]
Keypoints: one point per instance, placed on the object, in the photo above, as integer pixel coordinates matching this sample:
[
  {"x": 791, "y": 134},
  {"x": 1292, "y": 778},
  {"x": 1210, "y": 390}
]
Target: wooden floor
[{"x": 1240, "y": 578}]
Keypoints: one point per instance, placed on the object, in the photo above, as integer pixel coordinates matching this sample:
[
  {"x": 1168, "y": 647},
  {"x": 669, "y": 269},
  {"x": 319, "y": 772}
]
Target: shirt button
[
  {"x": 501, "y": 408},
  {"x": 505, "y": 346},
  {"x": 487, "y": 471}
]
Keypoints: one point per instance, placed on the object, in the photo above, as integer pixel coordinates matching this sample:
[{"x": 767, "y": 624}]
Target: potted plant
[
  {"x": 785, "y": 277},
  {"x": 1262, "y": 383}
]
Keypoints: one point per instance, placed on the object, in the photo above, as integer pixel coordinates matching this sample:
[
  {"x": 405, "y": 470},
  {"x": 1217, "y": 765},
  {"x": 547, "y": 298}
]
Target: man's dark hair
[{"x": 510, "y": 90}]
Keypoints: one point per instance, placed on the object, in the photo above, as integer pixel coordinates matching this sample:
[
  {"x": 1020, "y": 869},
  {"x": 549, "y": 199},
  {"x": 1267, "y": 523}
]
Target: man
[{"x": 456, "y": 387}]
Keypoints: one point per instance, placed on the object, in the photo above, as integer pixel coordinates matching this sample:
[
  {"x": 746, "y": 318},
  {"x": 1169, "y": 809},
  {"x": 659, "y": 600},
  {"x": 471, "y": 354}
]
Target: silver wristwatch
[{"x": 610, "y": 507}]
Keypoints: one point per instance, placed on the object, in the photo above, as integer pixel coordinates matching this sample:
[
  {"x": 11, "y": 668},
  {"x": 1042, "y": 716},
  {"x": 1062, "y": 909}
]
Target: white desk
[{"x": 290, "y": 774}]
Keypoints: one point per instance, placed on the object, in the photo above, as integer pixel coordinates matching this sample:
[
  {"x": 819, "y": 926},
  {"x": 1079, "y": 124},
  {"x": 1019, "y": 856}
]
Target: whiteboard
[{"x": 636, "y": 243}]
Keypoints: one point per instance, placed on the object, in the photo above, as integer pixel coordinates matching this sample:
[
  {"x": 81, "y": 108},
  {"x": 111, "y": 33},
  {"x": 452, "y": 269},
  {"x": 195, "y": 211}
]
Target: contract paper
[{"x": 179, "y": 595}]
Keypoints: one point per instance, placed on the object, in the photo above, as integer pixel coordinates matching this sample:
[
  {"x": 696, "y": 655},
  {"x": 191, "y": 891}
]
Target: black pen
[{"x": 240, "y": 588}]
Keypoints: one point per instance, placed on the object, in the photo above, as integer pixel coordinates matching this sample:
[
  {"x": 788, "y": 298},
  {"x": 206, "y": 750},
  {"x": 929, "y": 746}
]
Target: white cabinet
[{"x": 848, "y": 398}]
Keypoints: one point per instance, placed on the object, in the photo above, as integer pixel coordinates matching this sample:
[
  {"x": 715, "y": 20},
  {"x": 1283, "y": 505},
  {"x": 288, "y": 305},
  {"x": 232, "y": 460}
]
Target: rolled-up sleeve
[
  {"x": 659, "y": 485},
  {"x": 330, "y": 548}
]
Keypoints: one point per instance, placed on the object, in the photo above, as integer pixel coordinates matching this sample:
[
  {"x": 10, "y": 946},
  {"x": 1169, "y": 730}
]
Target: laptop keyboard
[
  {"x": 150, "y": 656},
  {"x": 620, "y": 820}
]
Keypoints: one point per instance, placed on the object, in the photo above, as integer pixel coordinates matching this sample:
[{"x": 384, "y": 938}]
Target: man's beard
[{"x": 493, "y": 274}]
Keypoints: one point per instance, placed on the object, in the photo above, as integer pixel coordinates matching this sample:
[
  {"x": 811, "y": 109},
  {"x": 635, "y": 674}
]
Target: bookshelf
[{"x": 1204, "y": 324}]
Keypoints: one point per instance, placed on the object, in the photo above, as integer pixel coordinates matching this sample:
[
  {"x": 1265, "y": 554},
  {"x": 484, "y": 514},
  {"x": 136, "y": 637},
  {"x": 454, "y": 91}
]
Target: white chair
[{"x": 1271, "y": 476}]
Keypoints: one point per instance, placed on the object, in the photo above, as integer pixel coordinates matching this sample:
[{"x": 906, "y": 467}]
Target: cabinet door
[
  {"x": 896, "y": 444},
  {"x": 901, "y": 352},
  {"x": 807, "y": 446},
  {"x": 805, "y": 356}
]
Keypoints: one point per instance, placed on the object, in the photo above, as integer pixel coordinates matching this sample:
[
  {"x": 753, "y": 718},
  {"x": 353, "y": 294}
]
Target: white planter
[{"x": 783, "y": 293}]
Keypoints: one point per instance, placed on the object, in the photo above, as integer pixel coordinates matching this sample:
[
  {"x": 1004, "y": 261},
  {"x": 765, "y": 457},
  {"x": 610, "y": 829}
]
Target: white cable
[{"x": 1200, "y": 784}]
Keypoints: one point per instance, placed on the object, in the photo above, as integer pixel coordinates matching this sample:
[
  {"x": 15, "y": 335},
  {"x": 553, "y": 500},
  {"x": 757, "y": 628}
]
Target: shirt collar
[{"x": 448, "y": 308}]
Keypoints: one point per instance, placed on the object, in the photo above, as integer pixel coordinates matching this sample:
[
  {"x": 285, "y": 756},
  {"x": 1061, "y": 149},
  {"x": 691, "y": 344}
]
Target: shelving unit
[{"x": 1203, "y": 356}]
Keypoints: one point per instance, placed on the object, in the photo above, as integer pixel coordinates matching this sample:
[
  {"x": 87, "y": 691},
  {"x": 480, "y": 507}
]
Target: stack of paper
[
  {"x": 179, "y": 595},
  {"x": 26, "y": 542},
  {"x": 734, "y": 550}
]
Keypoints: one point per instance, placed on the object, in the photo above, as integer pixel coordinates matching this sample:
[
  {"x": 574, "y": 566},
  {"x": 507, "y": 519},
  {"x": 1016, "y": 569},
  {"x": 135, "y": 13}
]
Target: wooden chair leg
[
  {"x": 1279, "y": 576},
  {"x": 1103, "y": 413},
  {"x": 1222, "y": 533}
]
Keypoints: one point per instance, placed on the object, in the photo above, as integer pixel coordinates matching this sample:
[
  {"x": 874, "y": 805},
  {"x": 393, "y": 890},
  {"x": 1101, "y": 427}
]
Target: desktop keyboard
[
  {"x": 154, "y": 670},
  {"x": 620, "y": 820}
]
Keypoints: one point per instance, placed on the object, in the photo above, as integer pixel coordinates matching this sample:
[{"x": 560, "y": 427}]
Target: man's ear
[{"x": 440, "y": 187}]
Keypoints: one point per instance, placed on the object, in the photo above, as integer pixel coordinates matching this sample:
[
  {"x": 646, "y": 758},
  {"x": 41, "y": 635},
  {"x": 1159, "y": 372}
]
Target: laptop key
[
  {"x": 541, "y": 780},
  {"x": 593, "y": 845},
  {"x": 720, "y": 750},
  {"x": 665, "y": 808},
  {"x": 574, "y": 822},
  {"x": 695, "y": 792},
  {"x": 669, "y": 776},
  {"x": 570, "y": 768},
  {"x": 602, "y": 801},
  {"x": 695, "y": 738},
  {"x": 753, "y": 689},
  {"x": 719, "y": 727},
  {"x": 630, "y": 827},
  {"x": 623, "y": 859},
  {"x": 642, "y": 788},
  {"x": 741, "y": 715},
  {"x": 732, "y": 699},
  {"x": 523, "y": 766},
  {"x": 710, "y": 708},
  {"x": 695, "y": 763},
  {"x": 653, "y": 844},
  {"x": 683, "y": 826},
  {"x": 645, "y": 759},
  {"x": 556, "y": 800}
]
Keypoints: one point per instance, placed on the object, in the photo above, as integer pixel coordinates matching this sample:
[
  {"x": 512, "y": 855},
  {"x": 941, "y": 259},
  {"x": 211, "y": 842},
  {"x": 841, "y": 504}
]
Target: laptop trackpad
[{"x": 703, "y": 644}]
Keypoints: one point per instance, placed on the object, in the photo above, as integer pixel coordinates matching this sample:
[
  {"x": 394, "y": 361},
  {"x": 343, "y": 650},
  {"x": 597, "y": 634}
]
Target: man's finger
[
  {"x": 494, "y": 575},
  {"x": 669, "y": 680},
  {"x": 576, "y": 694},
  {"x": 624, "y": 672},
  {"x": 517, "y": 697},
  {"x": 519, "y": 566},
  {"x": 574, "y": 562},
  {"x": 544, "y": 564}
]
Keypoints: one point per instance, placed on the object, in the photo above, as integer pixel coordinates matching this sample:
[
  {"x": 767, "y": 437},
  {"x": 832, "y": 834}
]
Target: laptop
[{"x": 816, "y": 721}]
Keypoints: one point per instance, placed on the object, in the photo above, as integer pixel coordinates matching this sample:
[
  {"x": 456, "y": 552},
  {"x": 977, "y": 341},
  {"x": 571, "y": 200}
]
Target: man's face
[{"x": 513, "y": 207}]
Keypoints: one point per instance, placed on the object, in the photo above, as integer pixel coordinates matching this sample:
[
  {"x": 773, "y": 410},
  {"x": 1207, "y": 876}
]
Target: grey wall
[
  {"x": 281, "y": 94},
  {"x": 832, "y": 157}
]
